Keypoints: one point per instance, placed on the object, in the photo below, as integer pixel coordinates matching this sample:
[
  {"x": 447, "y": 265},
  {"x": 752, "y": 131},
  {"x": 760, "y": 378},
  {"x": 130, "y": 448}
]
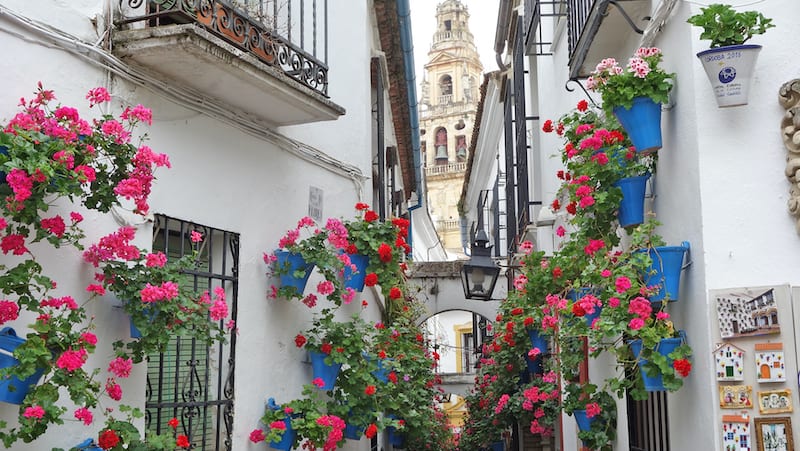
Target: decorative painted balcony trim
[{"x": 236, "y": 27}]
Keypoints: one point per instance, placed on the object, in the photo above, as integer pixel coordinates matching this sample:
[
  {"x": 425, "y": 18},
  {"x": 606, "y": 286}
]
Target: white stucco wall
[{"x": 221, "y": 177}]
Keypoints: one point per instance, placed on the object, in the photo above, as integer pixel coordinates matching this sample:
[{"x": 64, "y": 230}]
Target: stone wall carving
[{"x": 789, "y": 98}]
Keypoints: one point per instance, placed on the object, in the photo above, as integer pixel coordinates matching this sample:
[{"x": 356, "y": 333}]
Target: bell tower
[{"x": 447, "y": 113}]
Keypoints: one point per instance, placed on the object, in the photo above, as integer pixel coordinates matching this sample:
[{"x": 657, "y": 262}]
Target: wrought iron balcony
[
  {"x": 265, "y": 57},
  {"x": 600, "y": 29}
]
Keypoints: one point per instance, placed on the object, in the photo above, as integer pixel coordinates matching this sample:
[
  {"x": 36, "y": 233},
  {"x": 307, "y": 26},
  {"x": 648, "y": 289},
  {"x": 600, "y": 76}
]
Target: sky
[{"x": 482, "y": 24}]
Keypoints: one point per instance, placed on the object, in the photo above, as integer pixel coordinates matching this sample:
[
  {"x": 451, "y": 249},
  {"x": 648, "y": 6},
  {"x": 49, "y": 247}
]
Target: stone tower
[{"x": 449, "y": 103}]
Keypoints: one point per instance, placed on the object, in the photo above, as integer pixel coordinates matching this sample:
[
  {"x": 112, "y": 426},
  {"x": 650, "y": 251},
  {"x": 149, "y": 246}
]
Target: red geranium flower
[
  {"x": 108, "y": 439},
  {"x": 371, "y": 279},
  {"x": 182, "y": 441},
  {"x": 326, "y": 348},
  {"x": 362, "y": 206},
  {"x": 395, "y": 293},
  {"x": 385, "y": 253},
  {"x": 682, "y": 367},
  {"x": 371, "y": 430},
  {"x": 577, "y": 310},
  {"x": 299, "y": 341},
  {"x": 370, "y": 390},
  {"x": 583, "y": 105},
  {"x": 351, "y": 249},
  {"x": 173, "y": 423},
  {"x": 548, "y": 126},
  {"x": 370, "y": 216}
]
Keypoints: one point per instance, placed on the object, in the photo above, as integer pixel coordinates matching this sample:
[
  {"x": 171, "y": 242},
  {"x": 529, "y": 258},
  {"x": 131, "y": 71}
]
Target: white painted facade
[
  {"x": 720, "y": 185},
  {"x": 223, "y": 175}
]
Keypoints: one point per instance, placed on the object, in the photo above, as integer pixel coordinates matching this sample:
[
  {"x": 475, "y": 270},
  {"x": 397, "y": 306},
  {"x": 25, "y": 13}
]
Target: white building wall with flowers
[
  {"x": 221, "y": 176},
  {"x": 720, "y": 185}
]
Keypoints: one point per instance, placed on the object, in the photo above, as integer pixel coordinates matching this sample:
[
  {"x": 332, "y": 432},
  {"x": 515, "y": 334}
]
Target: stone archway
[{"x": 438, "y": 286}]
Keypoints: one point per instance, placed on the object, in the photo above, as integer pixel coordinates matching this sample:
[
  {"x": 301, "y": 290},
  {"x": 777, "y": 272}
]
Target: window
[
  {"x": 648, "y": 427},
  {"x": 191, "y": 381},
  {"x": 467, "y": 353},
  {"x": 461, "y": 148},
  {"x": 441, "y": 146},
  {"x": 446, "y": 85}
]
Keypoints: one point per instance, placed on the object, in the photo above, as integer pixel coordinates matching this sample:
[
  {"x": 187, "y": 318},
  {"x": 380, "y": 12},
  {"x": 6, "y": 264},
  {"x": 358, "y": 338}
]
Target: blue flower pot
[
  {"x": 328, "y": 373},
  {"x": 642, "y": 122},
  {"x": 355, "y": 280},
  {"x": 576, "y": 295},
  {"x": 13, "y": 390},
  {"x": 287, "y": 439},
  {"x": 289, "y": 434},
  {"x": 298, "y": 270},
  {"x": 396, "y": 439},
  {"x": 135, "y": 332},
  {"x": 498, "y": 446},
  {"x": 382, "y": 372},
  {"x": 665, "y": 347},
  {"x": 584, "y": 422},
  {"x": 353, "y": 432},
  {"x": 4, "y": 151},
  {"x": 537, "y": 341},
  {"x": 631, "y": 207},
  {"x": 665, "y": 271},
  {"x": 88, "y": 445}
]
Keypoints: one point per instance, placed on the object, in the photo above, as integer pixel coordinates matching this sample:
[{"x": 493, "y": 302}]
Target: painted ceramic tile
[
  {"x": 745, "y": 313},
  {"x": 735, "y": 433},
  {"x": 729, "y": 362},
  {"x": 736, "y": 396},
  {"x": 770, "y": 362}
]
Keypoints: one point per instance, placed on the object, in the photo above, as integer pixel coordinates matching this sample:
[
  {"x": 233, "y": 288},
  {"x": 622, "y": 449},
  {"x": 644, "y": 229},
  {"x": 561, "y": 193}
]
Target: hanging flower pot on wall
[
  {"x": 294, "y": 270},
  {"x": 729, "y": 70},
  {"x": 665, "y": 271},
  {"x": 665, "y": 347},
  {"x": 642, "y": 122},
  {"x": 327, "y": 372},
  {"x": 355, "y": 279},
  {"x": 13, "y": 390},
  {"x": 539, "y": 342},
  {"x": 631, "y": 207}
]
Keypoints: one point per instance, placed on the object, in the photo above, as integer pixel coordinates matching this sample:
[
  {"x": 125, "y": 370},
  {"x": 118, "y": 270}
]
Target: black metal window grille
[
  {"x": 191, "y": 381},
  {"x": 648, "y": 425}
]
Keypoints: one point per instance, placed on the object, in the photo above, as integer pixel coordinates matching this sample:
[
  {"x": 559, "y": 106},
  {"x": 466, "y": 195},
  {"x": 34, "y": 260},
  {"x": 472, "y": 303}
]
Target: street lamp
[{"x": 479, "y": 274}]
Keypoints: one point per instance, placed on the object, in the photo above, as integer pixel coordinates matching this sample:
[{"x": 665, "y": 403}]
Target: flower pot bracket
[{"x": 688, "y": 256}]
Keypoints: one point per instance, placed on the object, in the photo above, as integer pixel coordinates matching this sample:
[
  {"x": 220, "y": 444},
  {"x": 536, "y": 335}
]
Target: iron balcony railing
[
  {"x": 578, "y": 12},
  {"x": 291, "y": 35}
]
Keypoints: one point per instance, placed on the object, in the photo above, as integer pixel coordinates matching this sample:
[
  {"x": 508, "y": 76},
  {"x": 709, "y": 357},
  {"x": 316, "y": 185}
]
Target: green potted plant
[
  {"x": 635, "y": 94},
  {"x": 729, "y": 61}
]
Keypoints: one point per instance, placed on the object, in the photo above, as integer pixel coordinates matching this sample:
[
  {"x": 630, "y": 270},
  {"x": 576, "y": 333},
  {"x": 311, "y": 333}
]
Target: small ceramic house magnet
[
  {"x": 735, "y": 433},
  {"x": 770, "y": 364},
  {"x": 729, "y": 362}
]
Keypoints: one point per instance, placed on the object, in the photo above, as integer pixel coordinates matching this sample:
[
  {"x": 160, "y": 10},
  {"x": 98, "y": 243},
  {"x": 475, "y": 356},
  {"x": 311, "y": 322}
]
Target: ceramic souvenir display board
[
  {"x": 773, "y": 434},
  {"x": 770, "y": 362},
  {"x": 775, "y": 401},
  {"x": 743, "y": 312},
  {"x": 736, "y": 396},
  {"x": 736, "y": 433},
  {"x": 729, "y": 362}
]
